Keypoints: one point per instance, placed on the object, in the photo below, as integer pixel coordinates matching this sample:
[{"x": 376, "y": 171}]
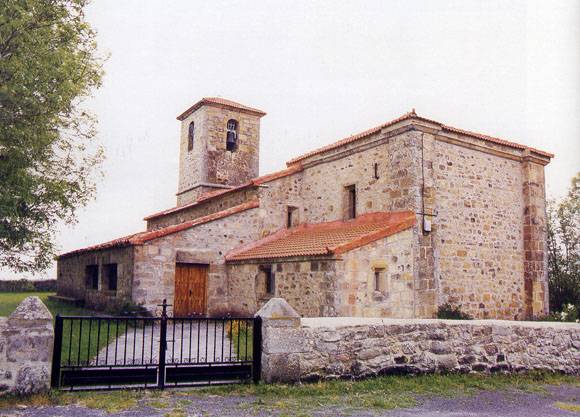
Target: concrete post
[{"x": 282, "y": 342}]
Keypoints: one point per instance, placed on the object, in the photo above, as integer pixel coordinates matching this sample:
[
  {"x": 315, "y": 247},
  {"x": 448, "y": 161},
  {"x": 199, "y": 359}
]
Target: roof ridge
[
  {"x": 212, "y": 194},
  {"x": 222, "y": 102},
  {"x": 140, "y": 238},
  {"x": 412, "y": 115}
]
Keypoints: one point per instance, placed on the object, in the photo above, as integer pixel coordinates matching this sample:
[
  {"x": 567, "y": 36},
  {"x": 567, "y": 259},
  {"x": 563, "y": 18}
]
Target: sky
[{"x": 322, "y": 70}]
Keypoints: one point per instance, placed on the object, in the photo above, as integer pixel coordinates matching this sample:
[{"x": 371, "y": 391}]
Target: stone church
[{"x": 391, "y": 222}]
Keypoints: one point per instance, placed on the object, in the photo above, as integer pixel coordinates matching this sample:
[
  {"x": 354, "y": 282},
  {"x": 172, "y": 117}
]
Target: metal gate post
[
  {"x": 162, "y": 345},
  {"x": 257, "y": 349},
  {"x": 56, "y": 353}
]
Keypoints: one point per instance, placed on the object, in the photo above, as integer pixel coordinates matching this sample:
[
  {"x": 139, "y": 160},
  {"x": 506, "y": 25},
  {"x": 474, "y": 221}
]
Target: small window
[
  {"x": 190, "y": 135},
  {"x": 350, "y": 201},
  {"x": 110, "y": 275},
  {"x": 268, "y": 280},
  {"x": 376, "y": 171},
  {"x": 379, "y": 280},
  {"x": 232, "y": 135},
  {"x": 92, "y": 277},
  {"x": 291, "y": 216}
]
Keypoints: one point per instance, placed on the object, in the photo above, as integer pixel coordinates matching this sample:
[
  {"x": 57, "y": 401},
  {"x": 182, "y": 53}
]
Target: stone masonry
[
  {"x": 26, "y": 341},
  {"x": 478, "y": 241},
  {"x": 307, "y": 349}
]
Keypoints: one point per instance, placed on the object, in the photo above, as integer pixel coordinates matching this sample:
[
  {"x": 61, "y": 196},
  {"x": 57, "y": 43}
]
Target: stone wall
[
  {"x": 209, "y": 163},
  {"x": 535, "y": 238},
  {"x": 191, "y": 162},
  {"x": 478, "y": 231},
  {"x": 203, "y": 208},
  {"x": 295, "y": 349},
  {"x": 394, "y": 258},
  {"x": 327, "y": 287},
  {"x": 395, "y": 189},
  {"x": 310, "y": 285},
  {"x": 26, "y": 342},
  {"x": 72, "y": 283},
  {"x": 207, "y": 243}
]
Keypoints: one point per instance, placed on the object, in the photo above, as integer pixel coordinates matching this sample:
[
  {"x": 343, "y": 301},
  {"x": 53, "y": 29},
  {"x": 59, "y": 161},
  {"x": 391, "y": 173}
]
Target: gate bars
[{"x": 112, "y": 352}]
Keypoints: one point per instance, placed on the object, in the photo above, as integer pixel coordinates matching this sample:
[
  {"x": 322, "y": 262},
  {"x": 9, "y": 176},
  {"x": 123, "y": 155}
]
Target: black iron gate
[{"x": 154, "y": 352}]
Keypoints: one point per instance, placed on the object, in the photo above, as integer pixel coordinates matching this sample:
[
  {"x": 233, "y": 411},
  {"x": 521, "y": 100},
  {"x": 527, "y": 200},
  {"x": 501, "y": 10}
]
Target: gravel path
[{"x": 180, "y": 404}]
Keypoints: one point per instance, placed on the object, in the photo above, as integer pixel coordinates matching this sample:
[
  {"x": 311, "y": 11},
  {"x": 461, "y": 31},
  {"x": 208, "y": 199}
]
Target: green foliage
[
  {"x": 564, "y": 249},
  {"x": 48, "y": 67},
  {"x": 241, "y": 335},
  {"x": 451, "y": 312},
  {"x": 568, "y": 313}
]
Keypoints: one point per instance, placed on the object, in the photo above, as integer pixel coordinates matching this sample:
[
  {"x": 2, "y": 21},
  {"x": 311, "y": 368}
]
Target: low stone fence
[
  {"x": 26, "y": 341},
  {"x": 296, "y": 349}
]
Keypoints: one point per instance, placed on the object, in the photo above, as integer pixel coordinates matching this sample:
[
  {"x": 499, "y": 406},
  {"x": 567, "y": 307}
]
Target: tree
[
  {"x": 564, "y": 249},
  {"x": 48, "y": 158}
]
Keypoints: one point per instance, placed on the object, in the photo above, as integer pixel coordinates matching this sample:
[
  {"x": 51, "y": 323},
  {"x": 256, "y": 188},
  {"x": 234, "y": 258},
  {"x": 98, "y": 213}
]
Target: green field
[
  {"x": 10, "y": 300},
  {"x": 91, "y": 340}
]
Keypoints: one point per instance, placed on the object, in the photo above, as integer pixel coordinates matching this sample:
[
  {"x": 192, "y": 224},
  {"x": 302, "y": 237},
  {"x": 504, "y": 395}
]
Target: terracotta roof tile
[
  {"x": 413, "y": 115},
  {"x": 220, "y": 102},
  {"x": 325, "y": 238},
  {"x": 142, "y": 237}
]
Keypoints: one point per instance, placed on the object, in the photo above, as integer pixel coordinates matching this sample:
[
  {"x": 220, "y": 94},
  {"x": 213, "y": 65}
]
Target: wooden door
[{"x": 190, "y": 290}]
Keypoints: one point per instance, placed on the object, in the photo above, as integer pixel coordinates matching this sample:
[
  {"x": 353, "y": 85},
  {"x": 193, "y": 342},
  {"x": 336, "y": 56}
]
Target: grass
[
  {"x": 567, "y": 406},
  {"x": 241, "y": 333},
  {"x": 77, "y": 341},
  {"x": 83, "y": 340},
  {"x": 10, "y": 300},
  {"x": 386, "y": 392}
]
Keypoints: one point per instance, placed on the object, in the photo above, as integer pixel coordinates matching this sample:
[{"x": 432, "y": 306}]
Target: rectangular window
[
  {"x": 350, "y": 201},
  {"x": 110, "y": 275},
  {"x": 92, "y": 277},
  {"x": 291, "y": 218},
  {"x": 269, "y": 280},
  {"x": 380, "y": 284}
]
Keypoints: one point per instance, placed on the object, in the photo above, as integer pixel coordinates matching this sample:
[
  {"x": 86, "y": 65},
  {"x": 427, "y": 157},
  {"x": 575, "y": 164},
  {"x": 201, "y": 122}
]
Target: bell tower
[{"x": 219, "y": 147}]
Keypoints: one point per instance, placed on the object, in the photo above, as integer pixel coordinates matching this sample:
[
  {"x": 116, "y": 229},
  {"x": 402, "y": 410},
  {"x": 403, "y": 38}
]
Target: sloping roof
[
  {"x": 325, "y": 238},
  {"x": 212, "y": 194},
  {"x": 142, "y": 237},
  {"x": 407, "y": 116},
  {"x": 220, "y": 102}
]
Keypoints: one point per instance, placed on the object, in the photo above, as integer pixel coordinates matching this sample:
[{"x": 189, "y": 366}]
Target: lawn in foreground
[{"x": 386, "y": 392}]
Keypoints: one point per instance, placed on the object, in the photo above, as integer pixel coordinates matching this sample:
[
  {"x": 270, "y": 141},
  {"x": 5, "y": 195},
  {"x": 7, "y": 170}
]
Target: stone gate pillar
[
  {"x": 26, "y": 343},
  {"x": 281, "y": 341}
]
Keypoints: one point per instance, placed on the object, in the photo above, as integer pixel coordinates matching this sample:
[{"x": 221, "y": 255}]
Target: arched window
[
  {"x": 190, "y": 134},
  {"x": 232, "y": 135}
]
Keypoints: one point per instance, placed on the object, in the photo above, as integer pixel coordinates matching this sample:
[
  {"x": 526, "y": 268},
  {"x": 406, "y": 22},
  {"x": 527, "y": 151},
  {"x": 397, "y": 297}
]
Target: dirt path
[{"x": 187, "y": 404}]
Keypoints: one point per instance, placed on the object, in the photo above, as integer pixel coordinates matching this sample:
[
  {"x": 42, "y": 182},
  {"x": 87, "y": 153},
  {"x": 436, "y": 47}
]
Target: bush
[
  {"x": 26, "y": 285},
  {"x": 450, "y": 312},
  {"x": 569, "y": 313}
]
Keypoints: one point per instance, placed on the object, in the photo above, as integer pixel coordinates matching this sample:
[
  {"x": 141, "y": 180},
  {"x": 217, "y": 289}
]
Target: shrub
[{"x": 451, "y": 312}]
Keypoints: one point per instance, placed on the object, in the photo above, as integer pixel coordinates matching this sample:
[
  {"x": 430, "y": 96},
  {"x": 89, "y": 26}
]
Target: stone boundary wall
[
  {"x": 300, "y": 349},
  {"x": 26, "y": 342}
]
